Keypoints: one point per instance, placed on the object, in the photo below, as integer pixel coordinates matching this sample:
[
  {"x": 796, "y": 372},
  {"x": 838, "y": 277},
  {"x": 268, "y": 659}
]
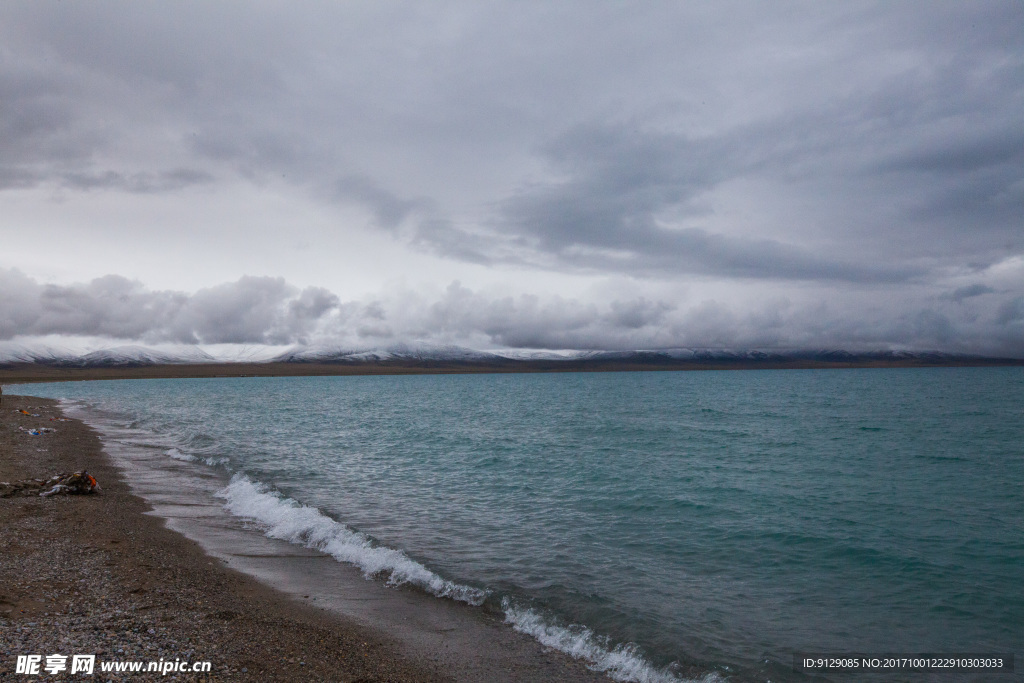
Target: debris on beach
[
  {"x": 77, "y": 483},
  {"x": 74, "y": 484},
  {"x": 37, "y": 431}
]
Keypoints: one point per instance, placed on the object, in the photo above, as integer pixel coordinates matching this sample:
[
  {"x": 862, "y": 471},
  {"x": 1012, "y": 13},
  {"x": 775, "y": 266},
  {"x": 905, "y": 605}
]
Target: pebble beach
[{"x": 93, "y": 574}]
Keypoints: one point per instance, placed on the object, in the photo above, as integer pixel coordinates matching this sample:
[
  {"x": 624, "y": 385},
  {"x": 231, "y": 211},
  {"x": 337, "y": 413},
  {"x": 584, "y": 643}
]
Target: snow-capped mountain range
[{"x": 139, "y": 355}]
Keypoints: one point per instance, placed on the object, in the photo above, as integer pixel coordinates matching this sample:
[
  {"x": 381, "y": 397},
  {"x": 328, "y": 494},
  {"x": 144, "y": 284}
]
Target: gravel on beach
[{"x": 92, "y": 574}]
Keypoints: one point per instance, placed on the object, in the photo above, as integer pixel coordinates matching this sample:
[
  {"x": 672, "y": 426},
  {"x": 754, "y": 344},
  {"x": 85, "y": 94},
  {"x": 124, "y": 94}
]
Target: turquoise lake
[{"x": 717, "y": 520}]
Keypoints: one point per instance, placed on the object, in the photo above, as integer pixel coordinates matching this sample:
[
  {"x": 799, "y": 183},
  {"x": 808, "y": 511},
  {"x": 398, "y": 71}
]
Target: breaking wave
[
  {"x": 621, "y": 663},
  {"x": 286, "y": 519},
  {"x": 185, "y": 457},
  {"x": 178, "y": 455}
]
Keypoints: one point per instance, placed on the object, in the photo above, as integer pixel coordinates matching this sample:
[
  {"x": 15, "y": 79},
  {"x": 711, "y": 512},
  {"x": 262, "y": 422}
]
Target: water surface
[{"x": 722, "y": 520}]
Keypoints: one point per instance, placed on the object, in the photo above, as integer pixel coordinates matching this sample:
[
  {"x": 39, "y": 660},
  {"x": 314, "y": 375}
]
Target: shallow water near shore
[{"x": 654, "y": 523}]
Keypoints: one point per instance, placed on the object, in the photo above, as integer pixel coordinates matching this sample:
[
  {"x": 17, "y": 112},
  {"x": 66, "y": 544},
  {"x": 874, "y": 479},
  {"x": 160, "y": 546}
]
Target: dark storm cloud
[
  {"x": 16, "y": 178},
  {"x": 138, "y": 183},
  {"x": 1012, "y": 313},
  {"x": 463, "y": 316},
  {"x": 37, "y": 121},
  {"x": 910, "y": 159},
  {"x": 869, "y": 153},
  {"x": 606, "y": 214},
  {"x": 110, "y": 306},
  {"x": 388, "y": 210},
  {"x": 260, "y": 310},
  {"x": 968, "y": 291},
  {"x": 898, "y": 123},
  {"x": 907, "y": 158},
  {"x": 967, "y": 177},
  {"x": 958, "y": 156}
]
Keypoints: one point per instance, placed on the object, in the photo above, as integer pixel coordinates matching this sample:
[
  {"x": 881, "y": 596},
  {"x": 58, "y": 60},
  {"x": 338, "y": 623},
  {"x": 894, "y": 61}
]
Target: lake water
[{"x": 648, "y": 521}]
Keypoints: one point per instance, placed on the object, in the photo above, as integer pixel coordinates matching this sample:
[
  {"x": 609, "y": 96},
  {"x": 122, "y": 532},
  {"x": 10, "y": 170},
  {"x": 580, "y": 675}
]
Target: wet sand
[{"x": 98, "y": 575}]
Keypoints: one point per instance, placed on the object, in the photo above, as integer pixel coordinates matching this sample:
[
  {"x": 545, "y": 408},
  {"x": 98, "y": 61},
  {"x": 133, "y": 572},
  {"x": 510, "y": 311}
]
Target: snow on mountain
[
  {"x": 542, "y": 354},
  {"x": 13, "y": 352},
  {"x": 43, "y": 354},
  {"x": 94, "y": 354},
  {"x": 142, "y": 355},
  {"x": 334, "y": 354},
  {"x": 243, "y": 353}
]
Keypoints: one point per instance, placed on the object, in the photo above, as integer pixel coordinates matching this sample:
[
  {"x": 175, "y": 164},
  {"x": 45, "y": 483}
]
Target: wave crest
[
  {"x": 286, "y": 519},
  {"x": 621, "y": 663}
]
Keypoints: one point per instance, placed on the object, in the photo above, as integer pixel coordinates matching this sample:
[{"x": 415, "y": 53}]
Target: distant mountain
[
  {"x": 422, "y": 353},
  {"x": 756, "y": 357},
  {"x": 666, "y": 357},
  {"x": 242, "y": 353},
  {"x": 116, "y": 356},
  {"x": 42, "y": 354},
  {"x": 543, "y": 354},
  {"x": 398, "y": 352},
  {"x": 141, "y": 355}
]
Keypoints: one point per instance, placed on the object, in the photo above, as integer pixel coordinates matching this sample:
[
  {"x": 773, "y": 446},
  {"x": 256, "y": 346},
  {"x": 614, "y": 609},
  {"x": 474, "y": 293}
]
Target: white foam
[
  {"x": 185, "y": 457},
  {"x": 621, "y": 663},
  {"x": 178, "y": 455},
  {"x": 286, "y": 519}
]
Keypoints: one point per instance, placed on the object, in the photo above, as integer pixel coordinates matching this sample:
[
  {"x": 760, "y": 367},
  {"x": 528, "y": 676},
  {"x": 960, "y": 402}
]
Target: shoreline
[
  {"x": 104, "y": 575},
  {"x": 28, "y": 373}
]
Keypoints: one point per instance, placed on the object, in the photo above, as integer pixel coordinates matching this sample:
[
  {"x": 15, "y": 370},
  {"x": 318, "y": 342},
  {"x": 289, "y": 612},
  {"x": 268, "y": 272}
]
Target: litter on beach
[
  {"x": 77, "y": 483},
  {"x": 37, "y": 431}
]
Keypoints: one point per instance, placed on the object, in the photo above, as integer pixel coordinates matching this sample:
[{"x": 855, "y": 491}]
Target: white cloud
[
  {"x": 864, "y": 156},
  {"x": 269, "y": 311}
]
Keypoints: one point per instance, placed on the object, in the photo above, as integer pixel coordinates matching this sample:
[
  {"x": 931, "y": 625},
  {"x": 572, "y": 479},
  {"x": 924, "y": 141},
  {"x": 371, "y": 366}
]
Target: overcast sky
[{"x": 515, "y": 174}]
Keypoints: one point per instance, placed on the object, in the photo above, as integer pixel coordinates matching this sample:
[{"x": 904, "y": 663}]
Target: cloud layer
[
  {"x": 863, "y": 162},
  {"x": 261, "y": 310},
  {"x": 976, "y": 318}
]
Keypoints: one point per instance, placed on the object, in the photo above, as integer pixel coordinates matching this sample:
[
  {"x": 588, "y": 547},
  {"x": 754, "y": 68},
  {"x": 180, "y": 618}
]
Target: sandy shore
[{"x": 95, "y": 575}]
